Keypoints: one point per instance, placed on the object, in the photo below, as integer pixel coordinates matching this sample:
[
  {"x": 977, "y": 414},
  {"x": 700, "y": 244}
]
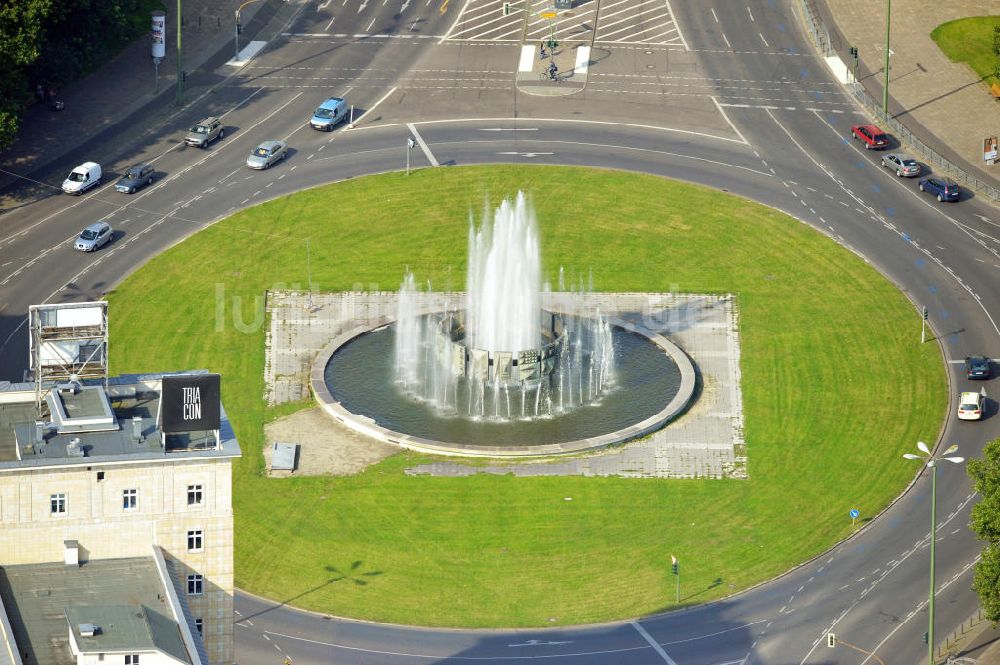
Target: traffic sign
[
  {"x": 548, "y": 15},
  {"x": 854, "y": 513}
]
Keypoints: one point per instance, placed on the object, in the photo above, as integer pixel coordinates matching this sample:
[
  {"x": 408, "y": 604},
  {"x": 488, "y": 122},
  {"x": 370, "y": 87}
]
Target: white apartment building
[{"x": 116, "y": 532}]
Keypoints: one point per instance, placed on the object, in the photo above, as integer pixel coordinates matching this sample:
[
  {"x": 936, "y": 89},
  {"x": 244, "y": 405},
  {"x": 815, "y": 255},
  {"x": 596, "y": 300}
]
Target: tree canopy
[
  {"x": 49, "y": 43},
  {"x": 985, "y": 523}
]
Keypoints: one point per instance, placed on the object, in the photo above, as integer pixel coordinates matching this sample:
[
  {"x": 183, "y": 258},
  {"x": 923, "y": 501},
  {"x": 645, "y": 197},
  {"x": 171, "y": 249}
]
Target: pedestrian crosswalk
[{"x": 601, "y": 21}]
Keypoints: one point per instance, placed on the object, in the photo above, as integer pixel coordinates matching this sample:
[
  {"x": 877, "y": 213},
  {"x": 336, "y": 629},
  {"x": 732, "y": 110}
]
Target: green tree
[
  {"x": 21, "y": 38},
  {"x": 985, "y": 523}
]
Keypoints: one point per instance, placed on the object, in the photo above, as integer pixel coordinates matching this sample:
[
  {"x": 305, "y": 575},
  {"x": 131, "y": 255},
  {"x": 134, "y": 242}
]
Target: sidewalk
[
  {"x": 121, "y": 87},
  {"x": 927, "y": 90}
]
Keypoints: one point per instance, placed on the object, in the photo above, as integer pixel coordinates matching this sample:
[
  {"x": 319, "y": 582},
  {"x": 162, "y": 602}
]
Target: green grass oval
[{"x": 835, "y": 388}]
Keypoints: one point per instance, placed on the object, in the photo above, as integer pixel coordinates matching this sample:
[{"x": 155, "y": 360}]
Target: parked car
[
  {"x": 977, "y": 367},
  {"x": 135, "y": 177},
  {"x": 903, "y": 165},
  {"x": 970, "y": 405},
  {"x": 82, "y": 178},
  {"x": 204, "y": 132},
  {"x": 329, "y": 114},
  {"x": 266, "y": 154},
  {"x": 870, "y": 135},
  {"x": 93, "y": 237},
  {"x": 944, "y": 189}
]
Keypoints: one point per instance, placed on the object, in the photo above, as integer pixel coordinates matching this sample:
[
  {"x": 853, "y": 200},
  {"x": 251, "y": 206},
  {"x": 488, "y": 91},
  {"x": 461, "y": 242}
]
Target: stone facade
[{"x": 100, "y": 517}]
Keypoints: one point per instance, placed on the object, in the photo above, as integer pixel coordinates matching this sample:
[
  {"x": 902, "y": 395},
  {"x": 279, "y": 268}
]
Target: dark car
[
  {"x": 135, "y": 177},
  {"x": 944, "y": 189},
  {"x": 870, "y": 135},
  {"x": 977, "y": 367}
]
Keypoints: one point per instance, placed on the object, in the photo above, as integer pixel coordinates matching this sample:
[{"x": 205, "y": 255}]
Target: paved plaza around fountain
[{"x": 706, "y": 441}]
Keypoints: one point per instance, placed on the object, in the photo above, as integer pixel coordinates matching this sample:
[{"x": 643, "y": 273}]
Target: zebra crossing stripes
[
  {"x": 483, "y": 20},
  {"x": 574, "y": 25},
  {"x": 638, "y": 22}
]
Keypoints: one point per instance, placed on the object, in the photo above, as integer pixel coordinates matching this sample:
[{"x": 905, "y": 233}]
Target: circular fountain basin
[{"x": 353, "y": 380}]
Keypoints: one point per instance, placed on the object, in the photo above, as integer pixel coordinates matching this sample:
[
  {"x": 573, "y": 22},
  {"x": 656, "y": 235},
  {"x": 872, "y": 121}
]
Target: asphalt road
[{"x": 734, "y": 99}]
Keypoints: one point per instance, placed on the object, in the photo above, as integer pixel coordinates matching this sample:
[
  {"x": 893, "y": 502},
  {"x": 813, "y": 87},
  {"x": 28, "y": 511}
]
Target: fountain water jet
[{"x": 502, "y": 340}]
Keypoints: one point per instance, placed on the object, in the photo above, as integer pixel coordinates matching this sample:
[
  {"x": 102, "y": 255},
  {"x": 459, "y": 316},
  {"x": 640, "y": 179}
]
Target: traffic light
[
  {"x": 831, "y": 640},
  {"x": 675, "y": 565},
  {"x": 854, "y": 51},
  {"x": 925, "y": 313},
  {"x": 926, "y": 637},
  {"x": 506, "y": 9}
]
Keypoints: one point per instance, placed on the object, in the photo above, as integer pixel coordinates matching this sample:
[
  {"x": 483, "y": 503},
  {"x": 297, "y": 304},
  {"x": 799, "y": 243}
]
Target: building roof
[
  {"x": 125, "y": 629},
  {"x": 67, "y": 441},
  {"x": 40, "y": 598}
]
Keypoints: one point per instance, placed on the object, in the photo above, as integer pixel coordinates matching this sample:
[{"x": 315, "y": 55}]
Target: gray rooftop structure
[
  {"x": 125, "y": 629},
  {"x": 89, "y": 425},
  {"x": 125, "y": 598}
]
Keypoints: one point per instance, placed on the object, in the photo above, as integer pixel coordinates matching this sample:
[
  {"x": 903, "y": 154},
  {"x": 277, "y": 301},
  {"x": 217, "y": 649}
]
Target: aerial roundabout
[{"x": 822, "y": 338}]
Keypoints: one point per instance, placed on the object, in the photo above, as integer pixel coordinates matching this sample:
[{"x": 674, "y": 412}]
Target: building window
[
  {"x": 196, "y": 585},
  {"x": 194, "y": 495},
  {"x": 195, "y": 540},
  {"x": 132, "y": 659},
  {"x": 199, "y": 625},
  {"x": 130, "y": 499},
  {"x": 57, "y": 504}
]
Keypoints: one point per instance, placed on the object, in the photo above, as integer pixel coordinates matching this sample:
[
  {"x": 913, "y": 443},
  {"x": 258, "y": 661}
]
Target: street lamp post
[
  {"x": 885, "y": 88},
  {"x": 932, "y": 464}
]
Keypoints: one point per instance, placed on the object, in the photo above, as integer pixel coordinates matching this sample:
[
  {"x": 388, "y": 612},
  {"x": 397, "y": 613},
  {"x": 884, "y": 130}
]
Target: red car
[{"x": 870, "y": 135}]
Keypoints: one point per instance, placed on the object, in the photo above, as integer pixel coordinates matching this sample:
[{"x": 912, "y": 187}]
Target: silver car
[
  {"x": 903, "y": 165},
  {"x": 93, "y": 237},
  {"x": 266, "y": 154}
]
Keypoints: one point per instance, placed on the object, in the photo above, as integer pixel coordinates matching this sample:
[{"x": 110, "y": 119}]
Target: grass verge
[
  {"x": 835, "y": 388},
  {"x": 971, "y": 40}
]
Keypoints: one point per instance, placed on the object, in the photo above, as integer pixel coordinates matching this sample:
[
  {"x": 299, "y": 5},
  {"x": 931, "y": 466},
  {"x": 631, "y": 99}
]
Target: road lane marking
[
  {"x": 763, "y": 40},
  {"x": 422, "y": 144},
  {"x": 372, "y": 107},
  {"x": 726, "y": 117},
  {"x": 527, "y": 58},
  {"x": 751, "y": 15},
  {"x": 653, "y": 643},
  {"x": 726, "y": 39},
  {"x": 712, "y": 9}
]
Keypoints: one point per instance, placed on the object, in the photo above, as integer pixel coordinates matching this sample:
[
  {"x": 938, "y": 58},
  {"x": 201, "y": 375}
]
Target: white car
[
  {"x": 82, "y": 178},
  {"x": 970, "y": 405}
]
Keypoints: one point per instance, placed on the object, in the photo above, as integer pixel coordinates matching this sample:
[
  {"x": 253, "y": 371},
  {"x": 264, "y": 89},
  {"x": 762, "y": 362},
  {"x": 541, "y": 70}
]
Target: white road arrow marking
[
  {"x": 363, "y": 5},
  {"x": 405, "y": 5}
]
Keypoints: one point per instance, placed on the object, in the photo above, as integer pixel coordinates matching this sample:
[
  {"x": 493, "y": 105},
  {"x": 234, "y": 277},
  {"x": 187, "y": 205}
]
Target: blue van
[{"x": 329, "y": 114}]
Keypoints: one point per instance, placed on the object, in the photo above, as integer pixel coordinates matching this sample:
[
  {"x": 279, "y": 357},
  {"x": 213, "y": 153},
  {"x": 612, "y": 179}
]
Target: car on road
[
  {"x": 870, "y": 135},
  {"x": 329, "y": 114},
  {"x": 82, "y": 178},
  {"x": 903, "y": 165},
  {"x": 267, "y": 154},
  {"x": 93, "y": 237},
  {"x": 970, "y": 405},
  {"x": 977, "y": 367},
  {"x": 942, "y": 188},
  {"x": 135, "y": 178},
  {"x": 204, "y": 132}
]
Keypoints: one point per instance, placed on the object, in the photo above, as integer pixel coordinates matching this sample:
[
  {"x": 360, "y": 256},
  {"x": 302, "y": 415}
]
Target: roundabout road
[{"x": 740, "y": 104}]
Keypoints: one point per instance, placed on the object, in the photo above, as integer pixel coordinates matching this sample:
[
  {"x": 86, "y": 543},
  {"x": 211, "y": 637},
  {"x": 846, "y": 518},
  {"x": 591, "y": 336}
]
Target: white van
[{"x": 82, "y": 178}]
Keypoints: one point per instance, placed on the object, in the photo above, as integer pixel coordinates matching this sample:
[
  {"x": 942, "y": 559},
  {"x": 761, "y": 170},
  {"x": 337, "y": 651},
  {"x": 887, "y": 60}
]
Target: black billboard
[{"x": 189, "y": 403}]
